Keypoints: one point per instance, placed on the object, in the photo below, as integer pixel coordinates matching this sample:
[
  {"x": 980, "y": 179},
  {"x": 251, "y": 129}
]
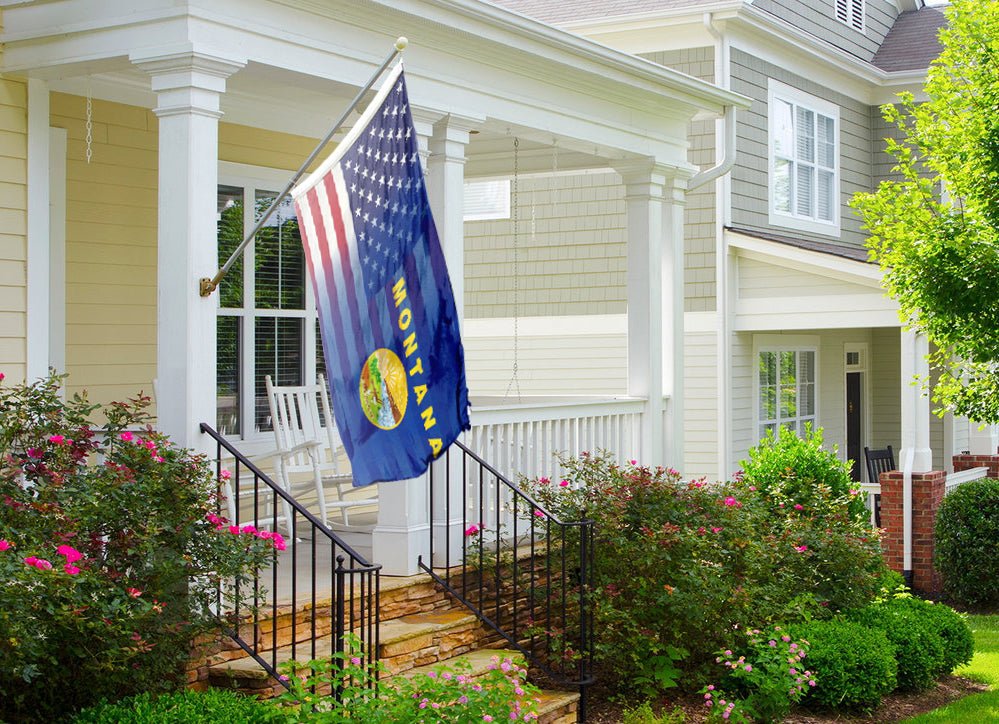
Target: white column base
[{"x": 402, "y": 534}]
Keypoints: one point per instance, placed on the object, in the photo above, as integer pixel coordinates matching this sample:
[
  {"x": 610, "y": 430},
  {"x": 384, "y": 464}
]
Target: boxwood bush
[
  {"x": 854, "y": 665},
  {"x": 953, "y": 630},
  {"x": 214, "y": 706},
  {"x": 967, "y": 543},
  {"x": 919, "y": 647}
]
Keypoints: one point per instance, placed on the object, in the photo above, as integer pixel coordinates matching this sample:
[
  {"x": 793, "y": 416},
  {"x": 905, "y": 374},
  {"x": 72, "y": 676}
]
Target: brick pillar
[
  {"x": 927, "y": 493},
  {"x": 966, "y": 462}
]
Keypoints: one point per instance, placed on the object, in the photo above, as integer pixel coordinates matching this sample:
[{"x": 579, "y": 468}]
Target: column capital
[
  {"x": 186, "y": 80},
  {"x": 648, "y": 178}
]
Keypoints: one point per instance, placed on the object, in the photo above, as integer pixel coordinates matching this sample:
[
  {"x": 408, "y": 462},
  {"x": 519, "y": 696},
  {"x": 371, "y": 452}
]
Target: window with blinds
[
  {"x": 804, "y": 160},
  {"x": 486, "y": 200},
  {"x": 851, "y": 12},
  {"x": 266, "y": 318}
]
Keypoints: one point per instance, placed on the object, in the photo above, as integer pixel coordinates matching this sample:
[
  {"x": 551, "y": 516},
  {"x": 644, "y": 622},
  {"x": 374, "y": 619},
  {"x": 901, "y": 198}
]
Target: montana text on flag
[{"x": 390, "y": 334}]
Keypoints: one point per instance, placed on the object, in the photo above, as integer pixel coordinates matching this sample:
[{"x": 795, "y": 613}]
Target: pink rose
[
  {"x": 563, "y": 484},
  {"x": 472, "y": 529},
  {"x": 133, "y": 592},
  {"x": 56, "y": 439},
  {"x": 126, "y": 436},
  {"x": 4, "y": 545},
  {"x": 71, "y": 554},
  {"x": 71, "y": 569}
]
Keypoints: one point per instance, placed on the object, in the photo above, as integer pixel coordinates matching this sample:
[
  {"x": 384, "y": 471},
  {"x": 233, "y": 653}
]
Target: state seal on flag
[{"x": 383, "y": 389}]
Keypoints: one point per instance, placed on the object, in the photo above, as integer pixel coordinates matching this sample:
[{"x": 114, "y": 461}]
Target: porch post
[
  {"x": 982, "y": 440},
  {"x": 402, "y": 534},
  {"x": 446, "y": 189},
  {"x": 188, "y": 87},
  {"x": 654, "y": 195},
  {"x": 915, "y": 454}
]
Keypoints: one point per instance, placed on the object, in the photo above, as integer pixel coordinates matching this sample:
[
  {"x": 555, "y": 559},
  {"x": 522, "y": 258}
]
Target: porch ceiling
[{"x": 304, "y": 60}]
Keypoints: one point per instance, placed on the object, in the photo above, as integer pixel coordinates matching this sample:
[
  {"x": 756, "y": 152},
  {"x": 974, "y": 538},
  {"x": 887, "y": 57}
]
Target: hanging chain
[
  {"x": 514, "y": 380},
  {"x": 90, "y": 123}
]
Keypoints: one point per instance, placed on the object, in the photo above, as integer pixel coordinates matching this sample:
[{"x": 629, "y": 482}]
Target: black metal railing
[
  {"x": 520, "y": 569},
  {"x": 314, "y": 592}
]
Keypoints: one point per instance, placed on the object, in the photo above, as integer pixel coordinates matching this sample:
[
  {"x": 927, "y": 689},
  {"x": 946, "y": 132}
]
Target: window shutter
[
  {"x": 857, "y": 14},
  {"x": 843, "y": 11}
]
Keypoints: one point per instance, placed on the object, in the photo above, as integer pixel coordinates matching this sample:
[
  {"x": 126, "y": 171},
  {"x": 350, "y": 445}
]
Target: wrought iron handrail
[
  {"x": 353, "y": 585},
  {"x": 522, "y": 571}
]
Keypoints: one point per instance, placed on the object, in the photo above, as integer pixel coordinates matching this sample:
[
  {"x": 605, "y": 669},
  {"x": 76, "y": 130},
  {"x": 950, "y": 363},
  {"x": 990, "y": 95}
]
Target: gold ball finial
[{"x": 401, "y": 42}]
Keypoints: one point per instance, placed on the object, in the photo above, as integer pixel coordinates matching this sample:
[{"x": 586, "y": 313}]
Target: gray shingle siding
[
  {"x": 750, "y": 188},
  {"x": 818, "y": 18},
  {"x": 700, "y": 211}
]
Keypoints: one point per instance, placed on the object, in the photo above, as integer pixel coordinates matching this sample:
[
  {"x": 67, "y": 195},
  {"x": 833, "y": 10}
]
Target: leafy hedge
[{"x": 967, "y": 543}]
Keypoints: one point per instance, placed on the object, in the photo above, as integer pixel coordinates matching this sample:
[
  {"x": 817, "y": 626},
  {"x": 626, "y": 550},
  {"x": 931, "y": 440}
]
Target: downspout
[{"x": 725, "y": 135}]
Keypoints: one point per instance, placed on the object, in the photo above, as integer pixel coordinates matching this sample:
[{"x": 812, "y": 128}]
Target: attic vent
[{"x": 851, "y": 12}]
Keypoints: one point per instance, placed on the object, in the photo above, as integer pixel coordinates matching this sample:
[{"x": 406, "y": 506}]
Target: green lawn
[{"x": 985, "y": 668}]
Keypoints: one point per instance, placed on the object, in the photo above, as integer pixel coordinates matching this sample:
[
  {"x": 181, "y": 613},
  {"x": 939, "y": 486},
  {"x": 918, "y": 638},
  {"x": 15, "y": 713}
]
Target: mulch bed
[{"x": 895, "y": 707}]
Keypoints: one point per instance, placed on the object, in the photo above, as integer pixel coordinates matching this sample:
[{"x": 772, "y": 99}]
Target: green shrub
[
  {"x": 953, "y": 630},
  {"x": 789, "y": 470},
  {"x": 967, "y": 543},
  {"x": 214, "y": 706},
  {"x": 854, "y": 665},
  {"x": 109, "y": 555},
  {"x": 919, "y": 648},
  {"x": 680, "y": 565}
]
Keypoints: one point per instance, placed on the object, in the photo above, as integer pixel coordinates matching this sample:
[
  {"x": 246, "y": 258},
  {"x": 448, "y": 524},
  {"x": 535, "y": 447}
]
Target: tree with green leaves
[{"x": 935, "y": 226}]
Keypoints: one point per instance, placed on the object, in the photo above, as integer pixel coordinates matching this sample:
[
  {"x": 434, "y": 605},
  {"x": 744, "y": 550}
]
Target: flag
[{"x": 393, "y": 352}]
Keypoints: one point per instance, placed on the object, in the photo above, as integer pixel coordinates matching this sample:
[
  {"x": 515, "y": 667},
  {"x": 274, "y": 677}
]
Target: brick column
[
  {"x": 966, "y": 462},
  {"x": 927, "y": 493}
]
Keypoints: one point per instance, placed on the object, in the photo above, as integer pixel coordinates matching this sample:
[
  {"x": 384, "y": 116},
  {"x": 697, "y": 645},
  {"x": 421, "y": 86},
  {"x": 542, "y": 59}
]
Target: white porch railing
[
  {"x": 522, "y": 439},
  {"x": 956, "y": 479}
]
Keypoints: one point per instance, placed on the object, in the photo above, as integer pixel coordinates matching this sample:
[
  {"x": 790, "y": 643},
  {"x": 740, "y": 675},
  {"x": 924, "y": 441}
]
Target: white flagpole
[{"x": 206, "y": 285}]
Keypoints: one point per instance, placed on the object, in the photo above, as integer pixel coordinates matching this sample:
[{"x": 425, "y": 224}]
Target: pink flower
[
  {"x": 157, "y": 458},
  {"x": 234, "y": 529},
  {"x": 715, "y": 529},
  {"x": 355, "y": 660},
  {"x": 34, "y": 452},
  {"x": 133, "y": 592},
  {"x": 278, "y": 541},
  {"x": 486, "y": 717},
  {"x": 265, "y": 534},
  {"x": 126, "y": 436},
  {"x": 225, "y": 474},
  {"x": 56, "y": 439},
  {"x": 543, "y": 481},
  {"x": 71, "y": 569},
  {"x": 472, "y": 529},
  {"x": 30, "y": 560},
  {"x": 539, "y": 513},
  {"x": 801, "y": 549},
  {"x": 632, "y": 462},
  {"x": 70, "y": 553},
  {"x": 248, "y": 529},
  {"x": 749, "y": 667},
  {"x": 40, "y": 563},
  {"x": 730, "y": 501},
  {"x": 799, "y": 506},
  {"x": 2, "y": 375},
  {"x": 4, "y": 545},
  {"x": 563, "y": 484},
  {"x": 752, "y": 488}
]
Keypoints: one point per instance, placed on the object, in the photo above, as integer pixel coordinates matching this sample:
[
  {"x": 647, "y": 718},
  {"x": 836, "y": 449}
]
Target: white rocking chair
[{"x": 308, "y": 444}]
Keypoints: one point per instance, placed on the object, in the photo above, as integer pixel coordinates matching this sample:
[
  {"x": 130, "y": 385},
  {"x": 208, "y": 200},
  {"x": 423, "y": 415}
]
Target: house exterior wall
[
  {"x": 572, "y": 255},
  {"x": 700, "y": 423},
  {"x": 700, "y": 211},
  {"x": 111, "y": 213},
  {"x": 882, "y": 162},
  {"x": 750, "y": 188},
  {"x": 13, "y": 228},
  {"x": 760, "y": 280},
  {"x": 819, "y": 19},
  {"x": 110, "y": 247},
  {"x": 881, "y": 383}
]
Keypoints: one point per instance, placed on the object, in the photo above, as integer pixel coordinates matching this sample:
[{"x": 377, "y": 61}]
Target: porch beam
[{"x": 188, "y": 87}]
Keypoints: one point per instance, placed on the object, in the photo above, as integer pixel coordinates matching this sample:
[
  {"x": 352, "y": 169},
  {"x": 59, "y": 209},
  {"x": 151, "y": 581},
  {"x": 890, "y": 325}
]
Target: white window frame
[
  {"x": 793, "y": 220},
  {"x": 252, "y": 179},
  {"x": 784, "y": 343},
  {"x": 852, "y": 13},
  {"x": 499, "y": 210}
]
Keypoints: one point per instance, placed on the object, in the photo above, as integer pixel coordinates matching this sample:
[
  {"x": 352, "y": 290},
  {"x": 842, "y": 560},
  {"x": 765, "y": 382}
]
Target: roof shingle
[{"x": 912, "y": 42}]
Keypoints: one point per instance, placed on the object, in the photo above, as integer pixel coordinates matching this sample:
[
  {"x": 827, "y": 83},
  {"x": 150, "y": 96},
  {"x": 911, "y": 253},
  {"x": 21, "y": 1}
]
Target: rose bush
[{"x": 112, "y": 553}]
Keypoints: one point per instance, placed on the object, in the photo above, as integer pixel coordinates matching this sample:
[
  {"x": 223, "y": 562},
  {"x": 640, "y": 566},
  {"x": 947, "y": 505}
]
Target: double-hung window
[
  {"x": 786, "y": 389},
  {"x": 266, "y": 318},
  {"x": 804, "y": 161}
]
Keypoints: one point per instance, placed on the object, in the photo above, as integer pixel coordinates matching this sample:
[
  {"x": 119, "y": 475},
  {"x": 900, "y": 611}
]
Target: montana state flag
[{"x": 393, "y": 352}]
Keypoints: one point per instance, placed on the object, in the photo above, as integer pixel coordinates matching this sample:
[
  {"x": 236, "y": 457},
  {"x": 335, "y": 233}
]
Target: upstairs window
[
  {"x": 851, "y": 12},
  {"x": 804, "y": 161}
]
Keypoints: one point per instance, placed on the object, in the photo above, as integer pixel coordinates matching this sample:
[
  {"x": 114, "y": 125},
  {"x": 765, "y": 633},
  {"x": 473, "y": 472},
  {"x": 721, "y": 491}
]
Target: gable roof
[
  {"x": 560, "y": 11},
  {"x": 912, "y": 42},
  {"x": 846, "y": 251}
]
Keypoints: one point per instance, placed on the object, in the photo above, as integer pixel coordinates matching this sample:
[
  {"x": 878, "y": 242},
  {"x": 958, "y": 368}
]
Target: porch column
[
  {"x": 402, "y": 534},
  {"x": 188, "y": 87},
  {"x": 916, "y": 456},
  {"x": 446, "y": 189},
  {"x": 654, "y": 194},
  {"x": 982, "y": 439}
]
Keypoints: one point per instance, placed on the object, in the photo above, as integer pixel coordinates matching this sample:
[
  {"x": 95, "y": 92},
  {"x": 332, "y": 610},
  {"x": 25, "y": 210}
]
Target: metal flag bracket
[{"x": 208, "y": 285}]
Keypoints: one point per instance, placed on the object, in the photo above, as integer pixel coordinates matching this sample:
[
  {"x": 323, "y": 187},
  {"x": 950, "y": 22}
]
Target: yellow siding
[
  {"x": 700, "y": 414},
  {"x": 110, "y": 248},
  {"x": 111, "y": 216},
  {"x": 13, "y": 222}
]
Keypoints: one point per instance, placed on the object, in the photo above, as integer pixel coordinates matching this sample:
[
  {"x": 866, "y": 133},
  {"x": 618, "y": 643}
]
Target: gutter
[{"x": 728, "y": 159}]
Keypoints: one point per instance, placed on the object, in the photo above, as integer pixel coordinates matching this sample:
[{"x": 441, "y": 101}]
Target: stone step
[
  {"x": 480, "y": 661},
  {"x": 558, "y": 707},
  {"x": 405, "y": 643}
]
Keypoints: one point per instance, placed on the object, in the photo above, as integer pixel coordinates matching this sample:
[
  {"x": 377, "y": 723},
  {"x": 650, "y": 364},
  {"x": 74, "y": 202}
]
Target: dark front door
[{"x": 853, "y": 432}]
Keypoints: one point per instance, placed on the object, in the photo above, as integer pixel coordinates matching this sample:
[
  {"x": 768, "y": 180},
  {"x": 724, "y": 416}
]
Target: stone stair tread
[
  {"x": 479, "y": 659},
  {"x": 553, "y": 700},
  {"x": 396, "y": 630}
]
